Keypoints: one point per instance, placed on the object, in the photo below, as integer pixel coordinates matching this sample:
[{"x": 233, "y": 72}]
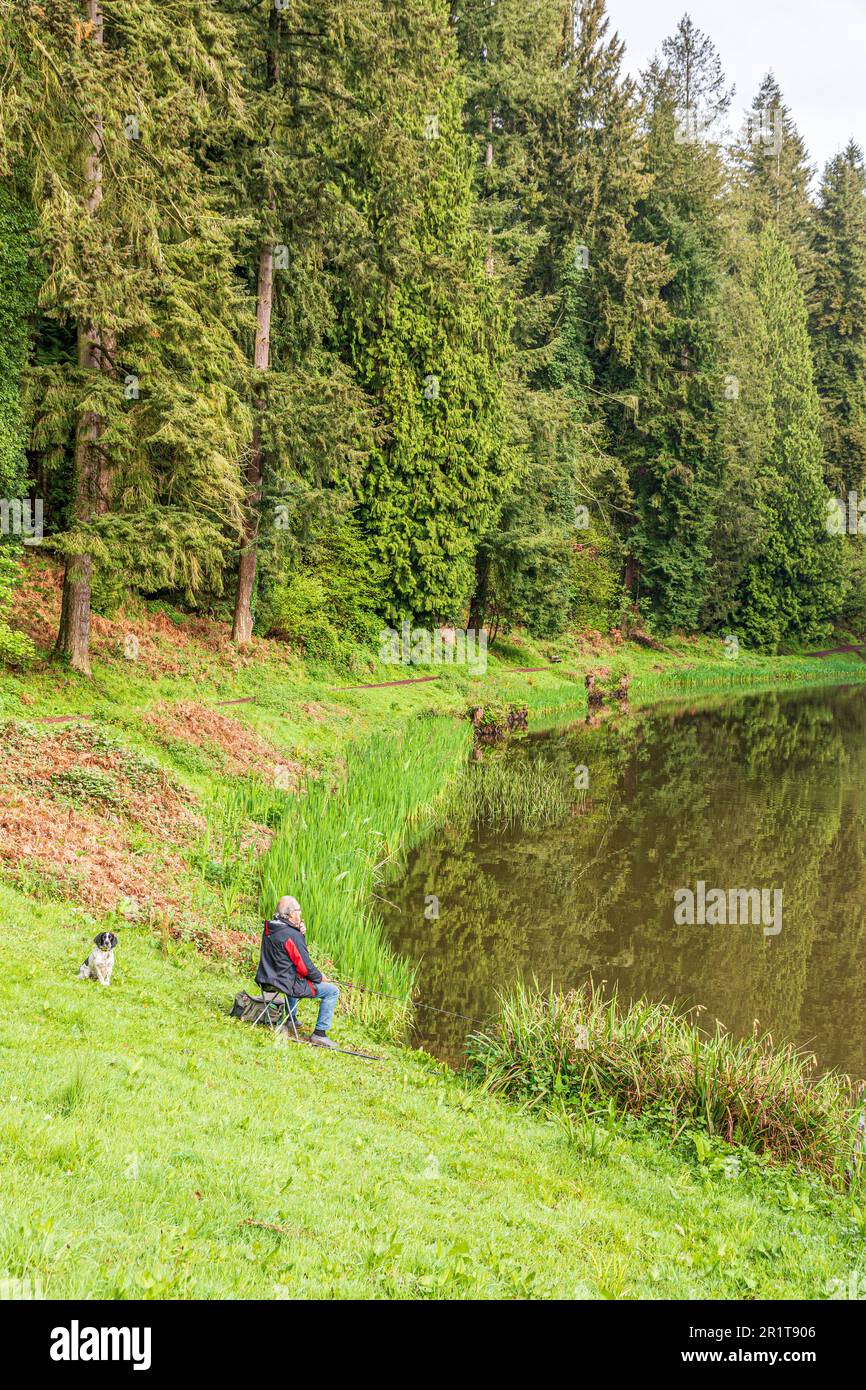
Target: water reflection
[{"x": 763, "y": 791}]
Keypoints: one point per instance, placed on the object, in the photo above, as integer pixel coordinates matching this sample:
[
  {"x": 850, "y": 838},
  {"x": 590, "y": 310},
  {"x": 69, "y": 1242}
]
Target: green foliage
[
  {"x": 673, "y": 447},
  {"x": 300, "y": 612},
  {"x": 506, "y": 290},
  {"x": 324, "y": 593},
  {"x": 595, "y": 586},
  {"x": 772, "y": 175},
  {"x": 586, "y": 1047},
  {"x": 17, "y": 303},
  {"x": 555, "y": 127},
  {"x": 746, "y": 424},
  {"x": 510, "y": 792},
  {"x": 428, "y": 338},
  {"x": 87, "y": 784},
  {"x": 149, "y": 413},
  {"x": 16, "y": 649}
]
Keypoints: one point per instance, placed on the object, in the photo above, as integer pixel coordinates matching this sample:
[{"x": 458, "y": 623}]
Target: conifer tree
[
  {"x": 424, "y": 328},
  {"x": 746, "y": 424},
  {"x": 672, "y": 447},
  {"x": 604, "y": 178},
  {"x": 617, "y": 305},
  {"x": 557, "y": 177},
  {"x": 106, "y": 102},
  {"x": 790, "y": 591},
  {"x": 511, "y": 56},
  {"x": 286, "y": 175},
  {"x": 772, "y": 174},
  {"x": 838, "y": 319},
  {"x": 17, "y": 304}
]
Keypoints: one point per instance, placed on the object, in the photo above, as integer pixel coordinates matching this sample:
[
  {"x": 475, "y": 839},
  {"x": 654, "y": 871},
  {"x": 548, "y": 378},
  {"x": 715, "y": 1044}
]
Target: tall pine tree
[
  {"x": 772, "y": 174},
  {"x": 425, "y": 329},
  {"x": 673, "y": 447},
  {"x": 791, "y": 590},
  {"x": 302, "y": 240},
  {"x": 838, "y": 319}
]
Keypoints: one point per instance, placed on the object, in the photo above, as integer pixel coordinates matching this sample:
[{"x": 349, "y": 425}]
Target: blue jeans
[{"x": 327, "y": 995}]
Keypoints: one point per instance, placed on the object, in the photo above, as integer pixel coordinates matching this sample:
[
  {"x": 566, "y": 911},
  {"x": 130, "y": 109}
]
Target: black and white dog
[{"x": 100, "y": 962}]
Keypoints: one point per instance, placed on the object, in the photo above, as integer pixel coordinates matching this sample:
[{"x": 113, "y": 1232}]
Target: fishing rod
[
  {"x": 348, "y": 986},
  {"x": 394, "y": 998}
]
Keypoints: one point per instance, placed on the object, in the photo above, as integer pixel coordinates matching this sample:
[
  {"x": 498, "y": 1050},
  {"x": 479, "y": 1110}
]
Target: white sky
[{"x": 816, "y": 48}]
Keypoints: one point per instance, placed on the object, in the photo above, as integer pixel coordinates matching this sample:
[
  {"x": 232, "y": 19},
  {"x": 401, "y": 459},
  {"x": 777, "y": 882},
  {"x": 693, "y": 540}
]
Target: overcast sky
[{"x": 816, "y": 48}]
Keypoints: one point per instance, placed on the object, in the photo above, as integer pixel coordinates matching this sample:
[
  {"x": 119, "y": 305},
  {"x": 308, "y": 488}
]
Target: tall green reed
[
  {"x": 508, "y": 791},
  {"x": 337, "y": 840},
  {"x": 584, "y": 1048},
  {"x": 226, "y": 852}
]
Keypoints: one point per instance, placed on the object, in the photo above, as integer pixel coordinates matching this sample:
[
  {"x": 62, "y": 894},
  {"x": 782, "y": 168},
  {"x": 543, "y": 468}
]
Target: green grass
[{"x": 141, "y": 1130}]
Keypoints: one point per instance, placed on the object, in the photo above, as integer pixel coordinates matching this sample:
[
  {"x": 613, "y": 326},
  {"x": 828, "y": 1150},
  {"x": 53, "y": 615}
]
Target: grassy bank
[
  {"x": 154, "y": 1148},
  {"x": 142, "y": 1130}
]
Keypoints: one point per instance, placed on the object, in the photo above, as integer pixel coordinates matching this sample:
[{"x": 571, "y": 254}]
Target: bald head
[{"x": 289, "y": 909}]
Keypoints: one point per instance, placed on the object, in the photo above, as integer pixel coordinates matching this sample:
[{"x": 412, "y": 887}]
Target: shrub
[
  {"x": 324, "y": 596},
  {"x": 595, "y": 591}
]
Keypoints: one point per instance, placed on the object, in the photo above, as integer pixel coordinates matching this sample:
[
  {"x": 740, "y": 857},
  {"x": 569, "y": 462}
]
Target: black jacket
[{"x": 285, "y": 961}]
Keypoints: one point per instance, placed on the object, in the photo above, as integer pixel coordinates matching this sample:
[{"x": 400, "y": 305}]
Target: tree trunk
[
  {"x": 478, "y": 605},
  {"x": 630, "y": 577},
  {"x": 242, "y": 629},
  {"x": 73, "y": 635}
]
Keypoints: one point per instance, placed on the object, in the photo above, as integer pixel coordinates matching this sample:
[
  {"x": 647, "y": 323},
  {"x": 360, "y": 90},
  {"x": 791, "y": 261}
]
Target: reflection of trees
[
  {"x": 833, "y": 1010},
  {"x": 763, "y": 792}
]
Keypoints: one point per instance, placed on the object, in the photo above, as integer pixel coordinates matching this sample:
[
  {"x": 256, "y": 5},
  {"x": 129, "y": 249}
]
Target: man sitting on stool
[{"x": 285, "y": 964}]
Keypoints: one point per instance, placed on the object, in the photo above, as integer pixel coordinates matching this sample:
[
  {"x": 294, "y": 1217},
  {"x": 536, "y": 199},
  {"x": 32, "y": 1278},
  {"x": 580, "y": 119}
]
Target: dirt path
[
  {"x": 384, "y": 685},
  {"x": 859, "y": 648}
]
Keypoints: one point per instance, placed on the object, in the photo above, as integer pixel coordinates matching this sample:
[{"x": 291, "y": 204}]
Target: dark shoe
[{"x": 322, "y": 1040}]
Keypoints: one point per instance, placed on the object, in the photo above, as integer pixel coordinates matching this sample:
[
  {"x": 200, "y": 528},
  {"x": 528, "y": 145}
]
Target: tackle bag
[{"x": 250, "y": 1008}]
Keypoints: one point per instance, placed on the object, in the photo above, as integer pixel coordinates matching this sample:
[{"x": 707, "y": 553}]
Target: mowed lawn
[{"x": 142, "y": 1131}]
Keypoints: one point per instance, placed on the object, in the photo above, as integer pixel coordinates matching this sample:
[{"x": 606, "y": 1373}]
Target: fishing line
[{"x": 418, "y": 1003}]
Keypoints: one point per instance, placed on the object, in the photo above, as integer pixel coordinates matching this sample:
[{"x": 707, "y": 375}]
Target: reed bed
[
  {"x": 584, "y": 1048},
  {"x": 517, "y": 792},
  {"x": 336, "y": 841}
]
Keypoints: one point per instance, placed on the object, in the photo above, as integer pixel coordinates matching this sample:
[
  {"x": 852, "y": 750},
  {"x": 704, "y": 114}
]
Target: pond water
[{"x": 761, "y": 792}]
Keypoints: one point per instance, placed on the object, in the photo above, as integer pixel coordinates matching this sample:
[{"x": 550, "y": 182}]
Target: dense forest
[{"x": 321, "y": 314}]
